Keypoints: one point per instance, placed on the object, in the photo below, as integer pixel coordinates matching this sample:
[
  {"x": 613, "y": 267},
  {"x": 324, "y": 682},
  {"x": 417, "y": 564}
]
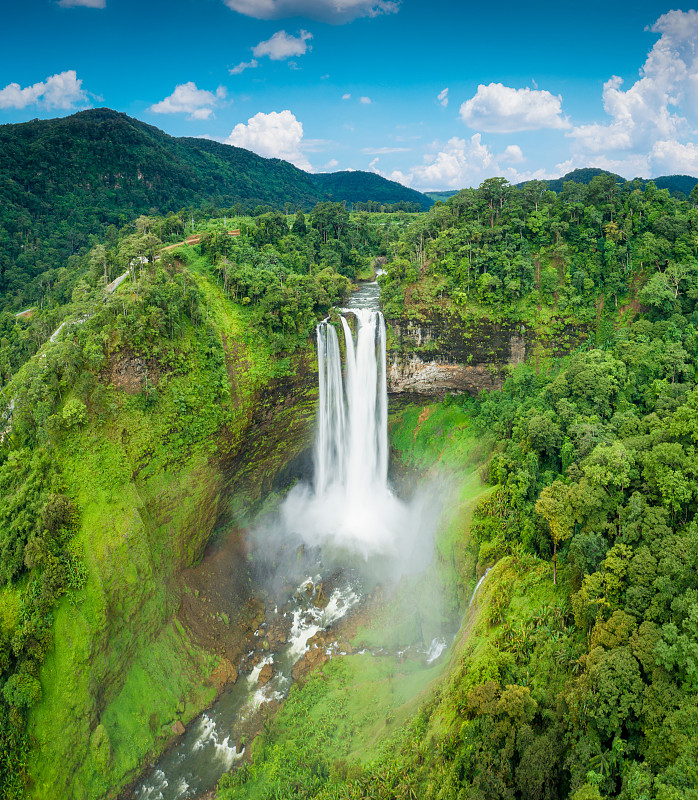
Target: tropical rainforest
[
  {"x": 166, "y": 405},
  {"x": 70, "y": 182}
]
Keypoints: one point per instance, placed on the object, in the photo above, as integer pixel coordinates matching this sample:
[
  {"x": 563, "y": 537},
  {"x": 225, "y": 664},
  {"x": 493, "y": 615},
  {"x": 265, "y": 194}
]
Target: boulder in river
[
  {"x": 312, "y": 660},
  {"x": 265, "y": 674},
  {"x": 224, "y": 673}
]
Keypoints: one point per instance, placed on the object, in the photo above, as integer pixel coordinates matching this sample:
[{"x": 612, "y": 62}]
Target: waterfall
[
  {"x": 350, "y": 509},
  {"x": 350, "y": 505},
  {"x": 478, "y": 585},
  {"x": 331, "y": 427},
  {"x": 351, "y": 447}
]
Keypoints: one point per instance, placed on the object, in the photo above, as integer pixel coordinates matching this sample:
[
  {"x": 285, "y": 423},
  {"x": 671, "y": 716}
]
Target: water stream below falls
[
  {"x": 346, "y": 521},
  {"x": 214, "y": 742}
]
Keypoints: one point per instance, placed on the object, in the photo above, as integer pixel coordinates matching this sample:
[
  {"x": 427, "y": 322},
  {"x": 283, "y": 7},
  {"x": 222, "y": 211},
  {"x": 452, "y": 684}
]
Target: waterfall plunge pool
[{"x": 349, "y": 526}]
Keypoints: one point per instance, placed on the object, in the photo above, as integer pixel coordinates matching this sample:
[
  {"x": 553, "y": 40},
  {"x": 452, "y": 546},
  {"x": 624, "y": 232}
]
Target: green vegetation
[
  {"x": 74, "y": 522},
  {"x": 113, "y": 476},
  {"x": 68, "y": 183},
  {"x": 327, "y": 728},
  {"x": 286, "y": 267},
  {"x": 368, "y": 191},
  {"x": 535, "y": 257}
]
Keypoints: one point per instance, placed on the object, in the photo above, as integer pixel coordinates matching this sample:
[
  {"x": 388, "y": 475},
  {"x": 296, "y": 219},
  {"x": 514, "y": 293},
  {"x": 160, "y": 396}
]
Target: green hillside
[
  {"x": 677, "y": 183},
  {"x": 441, "y": 195},
  {"x": 674, "y": 183},
  {"x": 357, "y": 187},
  {"x": 65, "y": 180}
]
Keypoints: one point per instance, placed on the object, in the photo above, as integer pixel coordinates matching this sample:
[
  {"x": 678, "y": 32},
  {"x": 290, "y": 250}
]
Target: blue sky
[{"x": 360, "y": 84}]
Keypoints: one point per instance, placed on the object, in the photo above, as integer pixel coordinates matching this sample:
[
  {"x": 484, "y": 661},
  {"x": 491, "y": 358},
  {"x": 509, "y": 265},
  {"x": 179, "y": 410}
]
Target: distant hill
[
  {"x": 62, "y": 180},
  {"x": 357, "y": 186},
  {"x": 674, "y": 183},
  {"x": 442, "y": 195}
]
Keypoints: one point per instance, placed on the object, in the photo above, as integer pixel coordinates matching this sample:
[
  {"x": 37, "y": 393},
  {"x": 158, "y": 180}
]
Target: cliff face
[
  {"x": 129, "y": 666},
  {"x": 446, "y": 354}
]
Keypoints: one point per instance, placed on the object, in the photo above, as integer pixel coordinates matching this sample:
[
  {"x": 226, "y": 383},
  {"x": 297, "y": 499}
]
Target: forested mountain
[
  {"x": 443, "y": 195},
  {"x": 63, "y": 180},
  {"x": 674, "y": 183},
  {"x": 360, "y": 187}
]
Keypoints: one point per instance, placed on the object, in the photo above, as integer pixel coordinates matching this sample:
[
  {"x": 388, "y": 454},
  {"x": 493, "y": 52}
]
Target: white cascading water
[
  {"x": 351, "y": 505},
  {"x": 350, "y": 510},
  {"x": 351, "y": 446}
]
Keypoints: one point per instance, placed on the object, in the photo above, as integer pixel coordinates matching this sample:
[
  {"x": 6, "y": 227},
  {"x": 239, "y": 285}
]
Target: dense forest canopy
[
  {"x": 514, "y": 251},
  {"x": 67, "y": 183}
]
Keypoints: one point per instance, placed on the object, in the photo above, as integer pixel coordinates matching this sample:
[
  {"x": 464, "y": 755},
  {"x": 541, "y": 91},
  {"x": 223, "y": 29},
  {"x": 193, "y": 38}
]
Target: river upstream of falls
[{"x": 348, "y": 525}]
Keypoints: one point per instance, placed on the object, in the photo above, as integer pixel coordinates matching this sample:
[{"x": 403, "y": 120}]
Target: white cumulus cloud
[
  {"x": 672, "y": 158},
  {"x": 82, "y": 3},
  {"x": 63, "y": 90},
  {"x": 512, "y": 155},
  {"x": 365, "y": 100},
  {"x": 188, "y": 99},
  {"x": 650, "y": 121},
  {"x": 496, "y": 108},
  {"x": 243, "y": 65},
  {"x": 346, "y": 96},
  {"x": 456, "y": 164},
  {"x": 442, "y": 97},
  {"x": 275, "y": 135},
  {"x": 282, "y": 45},
  {"x": 333, "y": 11},
  {"x": 460, "y": 163}
]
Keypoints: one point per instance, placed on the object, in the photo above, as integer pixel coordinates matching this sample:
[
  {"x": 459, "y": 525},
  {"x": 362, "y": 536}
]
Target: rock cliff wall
[
  {"x": 446, "y": 354},
  {"x": 129, "y": 667}
]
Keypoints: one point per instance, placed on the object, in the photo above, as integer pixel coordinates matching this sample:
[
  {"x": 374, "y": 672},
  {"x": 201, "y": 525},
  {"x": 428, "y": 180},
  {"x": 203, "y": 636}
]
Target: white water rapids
[{"x": 349, "y": 510}]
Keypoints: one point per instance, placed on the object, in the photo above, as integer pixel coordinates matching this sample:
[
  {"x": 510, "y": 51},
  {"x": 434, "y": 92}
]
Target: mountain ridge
[
  {"x": 674, "y": 183},
  {"x": 67, "y": 179}
]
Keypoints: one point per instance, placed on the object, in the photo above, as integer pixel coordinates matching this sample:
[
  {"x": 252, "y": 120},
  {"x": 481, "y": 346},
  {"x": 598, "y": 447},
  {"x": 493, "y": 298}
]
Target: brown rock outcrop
[
  {"x": 265, "y": 674},
  {"x": 448, "y": 354}
]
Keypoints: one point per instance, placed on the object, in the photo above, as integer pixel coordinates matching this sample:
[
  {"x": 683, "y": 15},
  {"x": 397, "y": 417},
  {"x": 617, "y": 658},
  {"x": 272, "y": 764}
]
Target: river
[{"x": 348, "y": 519}]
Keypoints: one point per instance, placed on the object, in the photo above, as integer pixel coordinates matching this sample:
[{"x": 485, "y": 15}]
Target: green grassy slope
[{"x": 150, "y": 484}]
